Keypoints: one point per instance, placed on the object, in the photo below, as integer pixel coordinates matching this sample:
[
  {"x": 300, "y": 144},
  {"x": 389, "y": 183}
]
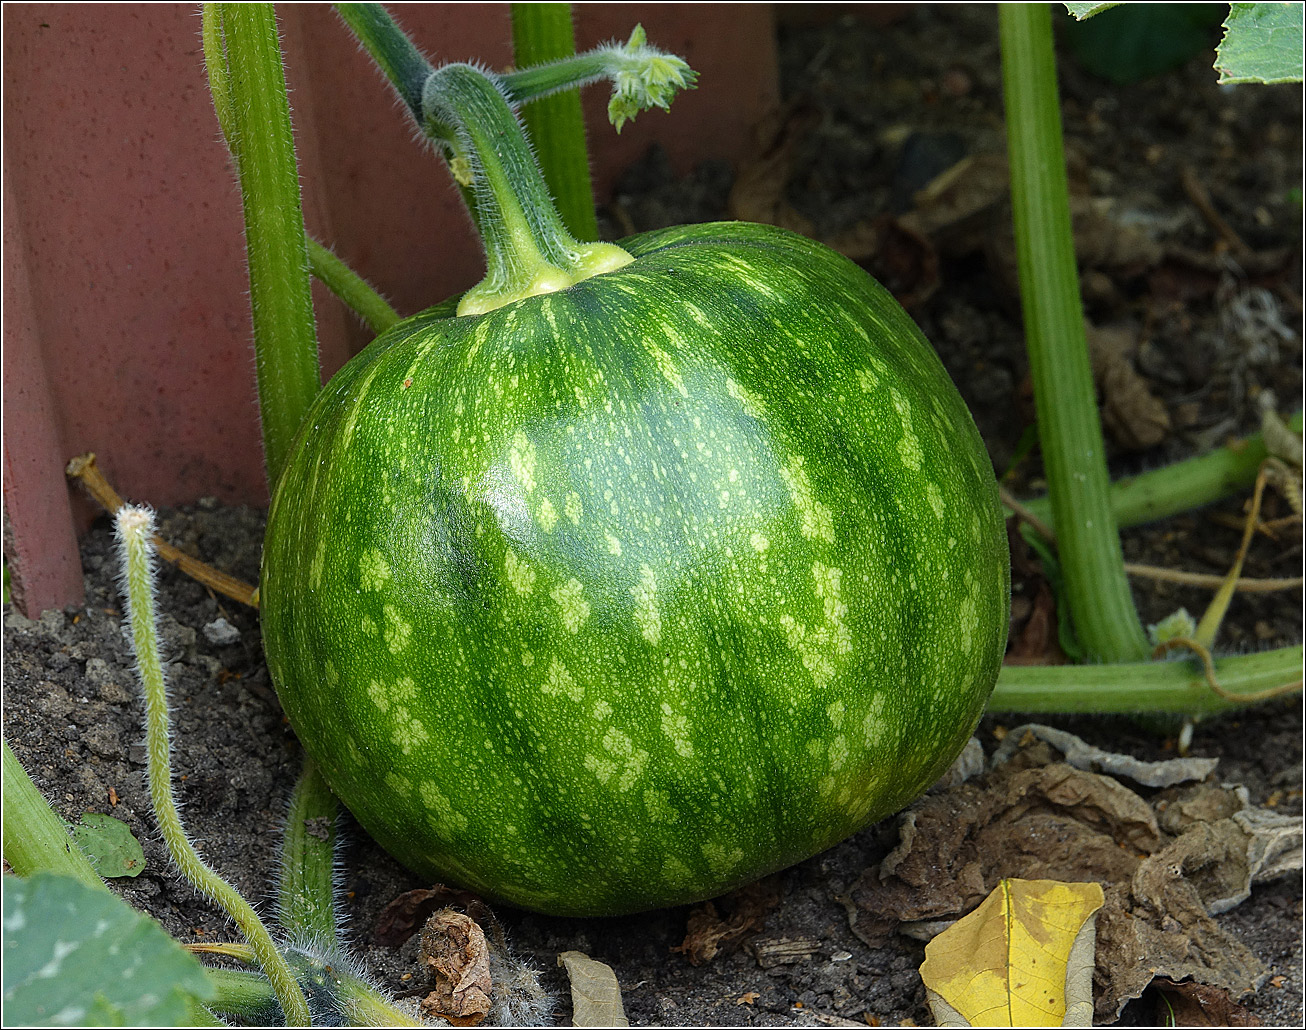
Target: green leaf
[
  {"x": 109, "y": 844},
  {"x": 1262, "y": 43},
  {"x": 76, "y": 956},
  {"x": 1082, "y": 11},
  {"x": 1132, "y": 41}
]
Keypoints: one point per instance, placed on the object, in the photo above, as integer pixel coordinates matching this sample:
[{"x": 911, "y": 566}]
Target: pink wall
[{"x": 126, "y": 329}]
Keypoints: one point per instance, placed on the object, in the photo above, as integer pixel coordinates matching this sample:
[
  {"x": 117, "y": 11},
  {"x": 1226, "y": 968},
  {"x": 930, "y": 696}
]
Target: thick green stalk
[
  {"x": 244, "y": 57},
  {"x": 324, "y": 265},
  {"x": 306, "y": 894},
  {"x": 1175, "y": 686},
  {"x": 351, "y": 288},
  {"x": 1070, "y": 431},
  {"x": 1182, "y": 486},
  {"x": 135, "y": 533},
  {"x": 35, "y": 838},
  {"x": 556, "y": 124}
]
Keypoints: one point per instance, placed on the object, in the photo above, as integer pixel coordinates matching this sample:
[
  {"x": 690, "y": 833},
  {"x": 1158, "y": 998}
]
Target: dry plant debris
[
  {"x": 709, "y": 932},
  {"x": 455, "y": 950},
  {"x": 1191, "y": 848},
  {"x": 595, "y": 993},
  {"x": 1193, "y": 1004}
]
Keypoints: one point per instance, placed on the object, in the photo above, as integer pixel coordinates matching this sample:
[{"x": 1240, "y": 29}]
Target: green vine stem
[
  {"x": 1133, "y": 687},
  {"x": 1070, "y": 430},
  {"x": 324, "y": 265},
  {"x": 35, "y": 838},
  {"x": 1182, "y": 486},
  {"x": 243, "y": 54},
  {"x": 306, "y": 894},
  {"x": 354, "y": 291},
  {"x": 135, "y": 529},
  {"x": 556, "y": 124}
]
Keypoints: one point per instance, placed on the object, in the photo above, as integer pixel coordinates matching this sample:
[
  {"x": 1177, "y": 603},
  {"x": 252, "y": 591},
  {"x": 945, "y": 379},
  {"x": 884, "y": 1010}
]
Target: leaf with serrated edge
[
  {"x": 1023, "y": 958},
  {"x": 1085, "y": 11},
  {"x": 1262, "y": 43},
  {"x": 595, "y": 993}
]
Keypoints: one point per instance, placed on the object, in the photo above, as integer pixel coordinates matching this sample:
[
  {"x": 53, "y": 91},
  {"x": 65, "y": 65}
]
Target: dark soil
[{"x": 72, "y": 711}]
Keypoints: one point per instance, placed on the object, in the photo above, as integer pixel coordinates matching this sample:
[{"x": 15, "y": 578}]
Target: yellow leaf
[{"x": 1023, "y": 958}]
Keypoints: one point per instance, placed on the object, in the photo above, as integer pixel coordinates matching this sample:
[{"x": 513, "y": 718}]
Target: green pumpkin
[{"x": 625, "y": 595}]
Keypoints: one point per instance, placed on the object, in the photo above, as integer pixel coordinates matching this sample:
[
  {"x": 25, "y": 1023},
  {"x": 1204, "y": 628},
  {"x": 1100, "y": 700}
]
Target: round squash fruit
[{"x": 622, "y": 596}]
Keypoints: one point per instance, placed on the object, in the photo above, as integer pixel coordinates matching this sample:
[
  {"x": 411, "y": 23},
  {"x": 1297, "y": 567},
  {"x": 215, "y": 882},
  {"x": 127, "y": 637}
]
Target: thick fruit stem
[
  {"x": 528, "y": 249},
  {"x": 466, "y": 113},
  {"x": 135, "y": 531}
]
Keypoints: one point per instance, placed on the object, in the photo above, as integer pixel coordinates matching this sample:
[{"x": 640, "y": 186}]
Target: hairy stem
[
  {"x": 246, "y": 996},
  {"x": 243, "y": 53},
  {"x": 306, "y": 893},
  {"x": 35, "y": 838},
  {"x": 1070, "y": 430},
  {"x": 542, "y": 32},
  {"x": 394, "y": 53},
  {"x": 135, "y": 530}
]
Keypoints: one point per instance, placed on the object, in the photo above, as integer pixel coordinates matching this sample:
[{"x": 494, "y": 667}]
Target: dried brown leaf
[
  {"x": 454, "y": 949},
  {"x": 1135, "y": 417},
  {"x": 400, "y": 919},
  {"x": 595, "y": 993},
  {"x": 1033, "y": 634},
  {"x": 708, "y": 933}
]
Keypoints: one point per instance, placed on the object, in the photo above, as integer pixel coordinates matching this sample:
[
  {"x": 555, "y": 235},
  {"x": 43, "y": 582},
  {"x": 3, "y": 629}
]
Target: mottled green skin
[{"x": 624, "y": 596}]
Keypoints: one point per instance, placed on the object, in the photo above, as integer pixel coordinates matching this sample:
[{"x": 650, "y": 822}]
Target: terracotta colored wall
[{"x": 126, "y": 325}]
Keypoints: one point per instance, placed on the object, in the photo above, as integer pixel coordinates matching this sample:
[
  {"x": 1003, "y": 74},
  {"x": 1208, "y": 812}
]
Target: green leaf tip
[{"x": 645, "y": 77}]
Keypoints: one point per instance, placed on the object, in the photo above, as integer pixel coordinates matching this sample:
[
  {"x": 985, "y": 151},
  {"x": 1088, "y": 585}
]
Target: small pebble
[{"x": 220, "y": 631}]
